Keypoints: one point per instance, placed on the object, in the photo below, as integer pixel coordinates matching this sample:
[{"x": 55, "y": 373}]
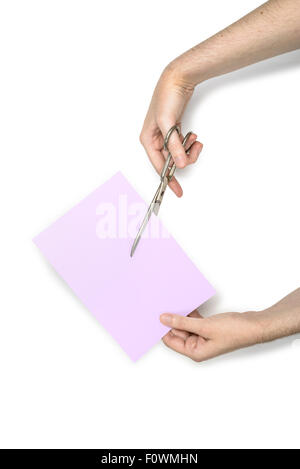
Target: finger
[
  {"x": 176, "y": 148},
  {"x": 186, "y": 335},
  {"x": 175, "y": 343},
  {"x": 194, "y": 347},
  {"x": 176, "y": 187},
  {"x": 192, "y": 146},
  {"x": 183, "y": 334},
  {"x": 194, "y": 341},
  {"x": 155, "y": 157},
  {"x": 194, "y": 152},
  {"x": 158, "y": 161},
  {"x": 188, "y": 324},
  {"x": 207, "y": 350},
  {"x": 192, "y": 139},
  {"x": 188, "y": 144},
  {"x": 190, "y": 347}
]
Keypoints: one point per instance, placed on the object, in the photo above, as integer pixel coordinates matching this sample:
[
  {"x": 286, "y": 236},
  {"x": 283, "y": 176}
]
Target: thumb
[
  {"x": 198, "y": 326},
  {"x": 175, "y": 146}
]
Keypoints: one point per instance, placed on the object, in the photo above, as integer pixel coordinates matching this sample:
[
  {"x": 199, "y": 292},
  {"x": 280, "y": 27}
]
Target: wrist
[
  {"x": 190, "y": 69},
  {"x": 254, "y": 328},
  {"x": 264, "y": 325},
  {"x": 174, "y": 74}
]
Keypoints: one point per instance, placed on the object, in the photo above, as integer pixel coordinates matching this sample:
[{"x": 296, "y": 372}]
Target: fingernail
[{"x": 166, "y": 319}]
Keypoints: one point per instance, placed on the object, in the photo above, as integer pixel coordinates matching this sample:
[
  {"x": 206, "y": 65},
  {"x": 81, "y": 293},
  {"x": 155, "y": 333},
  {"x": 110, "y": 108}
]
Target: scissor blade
[
  {"x": 141, "y": 229},
  {"x": 152, "y": 208},
  {"x": 159, "y": 196},
  {"x": 156, "y": 208}
]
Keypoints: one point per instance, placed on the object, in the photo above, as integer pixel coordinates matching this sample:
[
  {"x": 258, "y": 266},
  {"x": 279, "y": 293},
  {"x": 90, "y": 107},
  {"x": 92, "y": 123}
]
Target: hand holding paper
[
  {"x": 90, "y": 248},
  {"x": 202, "y": 339}
]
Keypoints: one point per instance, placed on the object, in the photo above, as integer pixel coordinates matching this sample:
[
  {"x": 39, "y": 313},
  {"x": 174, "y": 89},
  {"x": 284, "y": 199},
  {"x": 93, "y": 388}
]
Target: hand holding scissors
[{"x": 165, "y": 177}]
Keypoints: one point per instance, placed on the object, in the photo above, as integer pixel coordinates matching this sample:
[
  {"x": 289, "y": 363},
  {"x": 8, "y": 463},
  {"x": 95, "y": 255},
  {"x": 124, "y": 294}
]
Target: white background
[{"x": 76, "y": 79}]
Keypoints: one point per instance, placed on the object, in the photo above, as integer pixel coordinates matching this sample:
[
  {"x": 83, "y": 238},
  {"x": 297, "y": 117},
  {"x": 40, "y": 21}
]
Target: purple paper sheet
[{"x": 90, "y": 246}]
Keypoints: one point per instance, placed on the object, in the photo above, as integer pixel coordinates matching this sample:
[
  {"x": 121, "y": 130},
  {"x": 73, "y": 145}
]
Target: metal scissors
[{"x": 165, "y": 177}]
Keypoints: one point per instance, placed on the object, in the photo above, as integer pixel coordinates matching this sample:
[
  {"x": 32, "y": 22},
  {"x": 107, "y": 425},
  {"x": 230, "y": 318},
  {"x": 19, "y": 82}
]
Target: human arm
[
  {"x": 204, "y": 338},
  {"x": 271, "y": 29}
]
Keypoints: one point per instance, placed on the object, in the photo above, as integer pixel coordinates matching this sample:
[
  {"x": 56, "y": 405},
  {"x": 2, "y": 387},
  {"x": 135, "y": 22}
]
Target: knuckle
[
  {"x": 197, "y": 359},
  {"x": 178, "y": 322},
  {"x": 142, "y": 138},
  {"x": 192, "y": 344}
]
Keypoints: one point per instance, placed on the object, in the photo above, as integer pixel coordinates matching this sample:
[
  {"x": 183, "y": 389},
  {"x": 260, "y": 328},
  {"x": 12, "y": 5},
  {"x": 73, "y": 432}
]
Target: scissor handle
[
  {"x": 166, "y": 176},
  {"x": 168, "y": 135},
  {"x": 171, "y": 167}
]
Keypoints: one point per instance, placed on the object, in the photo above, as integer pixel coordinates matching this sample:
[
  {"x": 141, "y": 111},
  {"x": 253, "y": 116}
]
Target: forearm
[
  {"x": 283, "y": 318},
  {"x": 204, "y": 338},
  {"x": 271, "y": 29}
]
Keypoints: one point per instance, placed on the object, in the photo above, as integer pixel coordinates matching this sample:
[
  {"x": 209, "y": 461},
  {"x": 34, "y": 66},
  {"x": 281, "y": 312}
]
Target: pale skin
[
  {"x": 204, "y": 338},
  {"x": 270, "y": 30}
]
